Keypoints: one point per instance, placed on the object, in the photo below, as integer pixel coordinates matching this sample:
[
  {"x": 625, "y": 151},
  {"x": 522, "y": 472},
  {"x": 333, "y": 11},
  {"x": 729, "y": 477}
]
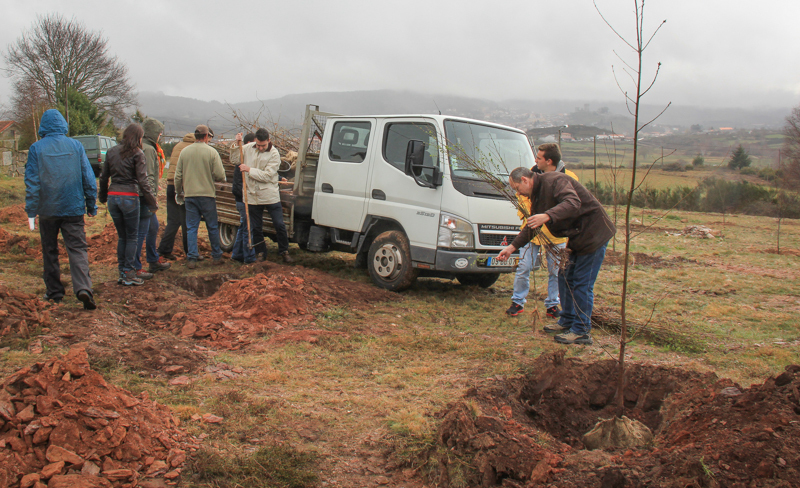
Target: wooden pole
[{"x": 244, "y": 197}]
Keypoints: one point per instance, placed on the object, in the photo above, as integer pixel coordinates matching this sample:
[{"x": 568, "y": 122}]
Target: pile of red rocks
[
  {"x": 62, "y": 425},
  {"x": 21, "y": 313}
]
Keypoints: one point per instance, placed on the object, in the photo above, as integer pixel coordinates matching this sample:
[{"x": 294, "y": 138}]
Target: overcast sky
[{"x": 714, "y": 53}]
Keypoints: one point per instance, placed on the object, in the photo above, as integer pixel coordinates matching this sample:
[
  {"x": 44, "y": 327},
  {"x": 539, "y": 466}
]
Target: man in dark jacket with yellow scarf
[{"x": 569, "y": 210}]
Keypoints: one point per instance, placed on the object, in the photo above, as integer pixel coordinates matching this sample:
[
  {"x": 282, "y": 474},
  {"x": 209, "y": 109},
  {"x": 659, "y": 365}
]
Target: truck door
[
  {"x": 341, "y": 188},
  {"x": 395, "y": 195}
]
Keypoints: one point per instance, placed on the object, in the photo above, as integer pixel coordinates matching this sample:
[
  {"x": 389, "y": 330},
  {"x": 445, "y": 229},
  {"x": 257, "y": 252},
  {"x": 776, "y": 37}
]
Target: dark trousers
[
  {"x": 124, "y": 212},
  {"x": 148, "y": 233},
  {"x": 74, "y": 235},
  {"x": 257, "y": 224},
  {"x": 176, "y": 219},
  {"x": 241, "y": 249}
]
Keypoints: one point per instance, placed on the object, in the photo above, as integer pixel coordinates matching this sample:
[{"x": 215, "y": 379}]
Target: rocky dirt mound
[
  {"x": 526, "y": 431},
  {"x": 14, "y": 215},
  {"x": 12, "y": 243},
  {"x": 60, "y": 421},
  {"x": 121, "y": 339},
  {"x": 284, "y": 299},
  {"x": 21, "y": 313}
]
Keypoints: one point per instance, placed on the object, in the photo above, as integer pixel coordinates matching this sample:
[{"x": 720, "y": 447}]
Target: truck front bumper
[{"x": 467, "y": 262}]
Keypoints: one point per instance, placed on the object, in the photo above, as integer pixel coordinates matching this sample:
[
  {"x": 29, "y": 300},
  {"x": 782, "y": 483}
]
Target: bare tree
[
  {"x": 615, "y": 427},
  {"x": 790, "y": 168},
  {"x": 28, "y": 103},
  {"x": 57, "y": 54}
]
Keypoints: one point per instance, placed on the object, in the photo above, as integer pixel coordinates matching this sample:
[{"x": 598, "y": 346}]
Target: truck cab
[{"x": 403, "y": 193}]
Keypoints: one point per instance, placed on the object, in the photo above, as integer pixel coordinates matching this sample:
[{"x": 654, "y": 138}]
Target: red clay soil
[
  {"x": 21, "y": 313},
  {"x": 15, "y": 216},
  {"x": 708, "y": 432},
  {"x": 11, "y": 243},
  {"x": 62, "y": 425},
  {"x": 280, "y": 302}
]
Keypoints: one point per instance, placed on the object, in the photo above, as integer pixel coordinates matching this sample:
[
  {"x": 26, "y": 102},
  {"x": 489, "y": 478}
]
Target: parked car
[{"x": 96, "y": 148}]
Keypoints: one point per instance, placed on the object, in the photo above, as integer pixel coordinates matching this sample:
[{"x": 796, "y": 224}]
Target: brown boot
[{"x": 286, "y": 258}]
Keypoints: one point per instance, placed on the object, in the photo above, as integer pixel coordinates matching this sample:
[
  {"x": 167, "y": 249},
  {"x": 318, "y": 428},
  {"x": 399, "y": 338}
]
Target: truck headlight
[{"x": 455, "y": 232}]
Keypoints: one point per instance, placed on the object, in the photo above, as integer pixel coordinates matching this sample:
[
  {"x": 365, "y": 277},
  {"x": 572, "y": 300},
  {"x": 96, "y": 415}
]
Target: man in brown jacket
[
  {"x": 569, "y": 210},
  {"x": 176, "y": 214}
]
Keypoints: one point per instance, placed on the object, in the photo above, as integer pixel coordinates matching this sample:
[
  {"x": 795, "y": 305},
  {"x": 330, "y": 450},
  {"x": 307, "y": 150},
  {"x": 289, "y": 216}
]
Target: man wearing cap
[{"x": 199, "y": 166}]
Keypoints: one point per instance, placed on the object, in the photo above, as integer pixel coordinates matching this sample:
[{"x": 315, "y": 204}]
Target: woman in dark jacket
[{"x": 125, "y": 167}]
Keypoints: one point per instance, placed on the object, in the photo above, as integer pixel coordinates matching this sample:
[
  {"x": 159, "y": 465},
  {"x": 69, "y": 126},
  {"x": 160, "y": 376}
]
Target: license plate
[{"x": 494, "y": 262}]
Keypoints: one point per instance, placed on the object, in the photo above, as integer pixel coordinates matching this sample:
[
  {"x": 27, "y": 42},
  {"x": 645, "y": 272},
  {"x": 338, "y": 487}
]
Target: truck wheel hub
[{"x": 388, "y": 261}]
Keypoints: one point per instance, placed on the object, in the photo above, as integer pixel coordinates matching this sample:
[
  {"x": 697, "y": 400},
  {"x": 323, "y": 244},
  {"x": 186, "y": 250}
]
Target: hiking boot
[
  {"x": 261, "y": 258},
  {"x": 557, "y": 328},
  {"x": 170, "y": 256},
  {"x": 161, "y": 265},
  {"x": 48, "y": 298},
  {"x": 286, "y": 258},
  {"x": 572, "y": 338},
  {"x": 88, "y": 301},
  {"x": 129, "y": 278},
  {"x": 200, "y": 257},
  {"x": 554, "y": 312},
  {"x": 218, "y": 261},
  {"x": 192, "y": 264},
  {"x": 142, "y": 274},
  {"x": 514, "y": 310}
]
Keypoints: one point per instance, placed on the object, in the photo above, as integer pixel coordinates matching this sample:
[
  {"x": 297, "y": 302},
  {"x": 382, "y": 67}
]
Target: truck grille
[{"x": 496, "y": 234}]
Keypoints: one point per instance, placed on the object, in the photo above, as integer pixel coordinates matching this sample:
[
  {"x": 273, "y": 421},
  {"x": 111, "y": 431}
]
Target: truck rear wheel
[
  {"x": 227, "y": 236},
  {"x": 390, "y": 261},
  {"x": 484, "y": 280}
]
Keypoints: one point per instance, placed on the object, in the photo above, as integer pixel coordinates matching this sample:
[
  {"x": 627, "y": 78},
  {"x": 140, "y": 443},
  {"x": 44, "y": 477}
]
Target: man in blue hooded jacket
[{"x": 60, "y": 188}]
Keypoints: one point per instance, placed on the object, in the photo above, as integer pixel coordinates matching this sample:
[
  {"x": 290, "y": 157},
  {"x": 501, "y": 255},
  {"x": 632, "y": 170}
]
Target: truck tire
[
  {"x": 390, "y": 261},
  {"x": 484, "y": 280},
  {"x": 227, "y": 236}
]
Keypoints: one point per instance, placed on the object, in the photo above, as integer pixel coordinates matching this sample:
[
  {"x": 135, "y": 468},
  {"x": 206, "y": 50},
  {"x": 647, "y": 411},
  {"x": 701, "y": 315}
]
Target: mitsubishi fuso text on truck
[{"x": 391, "y": 190}]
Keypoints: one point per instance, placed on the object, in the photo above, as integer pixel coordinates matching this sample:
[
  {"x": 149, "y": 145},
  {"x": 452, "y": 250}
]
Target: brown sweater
[
  {"x": 574, "y": 213},
  {"x": 188, "y": 139}
]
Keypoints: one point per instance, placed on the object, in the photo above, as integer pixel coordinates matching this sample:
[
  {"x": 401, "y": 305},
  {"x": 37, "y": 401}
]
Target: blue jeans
[
  {"x": 242, "y": 252},
  {"x": 528, "y": 261},
  {"x": 207, "y": 207},
  {"x": 576, "y": 284},
  {"x": 148, "y": 231},
  {"x": 124, "y": 211}
]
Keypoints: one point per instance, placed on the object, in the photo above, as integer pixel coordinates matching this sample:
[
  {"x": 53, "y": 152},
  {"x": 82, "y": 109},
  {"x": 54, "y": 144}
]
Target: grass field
[{"x": 360, "y": 406}]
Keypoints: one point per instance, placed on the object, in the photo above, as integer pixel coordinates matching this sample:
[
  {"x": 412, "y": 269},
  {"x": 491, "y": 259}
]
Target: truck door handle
[
  {"x": 378, "y": 195},
  {"x": 327, "y": 188}
]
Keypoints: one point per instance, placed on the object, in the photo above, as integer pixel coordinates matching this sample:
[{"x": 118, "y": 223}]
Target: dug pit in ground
[{"x": 526, "y": 431}]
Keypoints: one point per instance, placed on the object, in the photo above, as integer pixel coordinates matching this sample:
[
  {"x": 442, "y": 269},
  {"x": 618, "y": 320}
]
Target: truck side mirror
[
  {"x": 415, "y": 155},
  {"x": 415, "y": 166}
]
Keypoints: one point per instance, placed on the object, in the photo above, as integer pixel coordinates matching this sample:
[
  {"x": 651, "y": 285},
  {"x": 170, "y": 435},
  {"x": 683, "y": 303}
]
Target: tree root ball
[{"x": 617, "y": 432}]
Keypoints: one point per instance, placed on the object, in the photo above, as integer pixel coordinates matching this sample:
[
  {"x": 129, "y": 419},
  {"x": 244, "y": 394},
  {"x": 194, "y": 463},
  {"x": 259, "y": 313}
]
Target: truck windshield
[{"x": 474, "y": 148}]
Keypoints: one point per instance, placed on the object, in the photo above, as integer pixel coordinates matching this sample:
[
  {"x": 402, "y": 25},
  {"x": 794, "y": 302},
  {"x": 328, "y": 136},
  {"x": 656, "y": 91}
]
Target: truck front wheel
[
  {"x": 484, "y": 280},
  {"x": 390, "y": 261},
  {"x": 227, "y": 236}
]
